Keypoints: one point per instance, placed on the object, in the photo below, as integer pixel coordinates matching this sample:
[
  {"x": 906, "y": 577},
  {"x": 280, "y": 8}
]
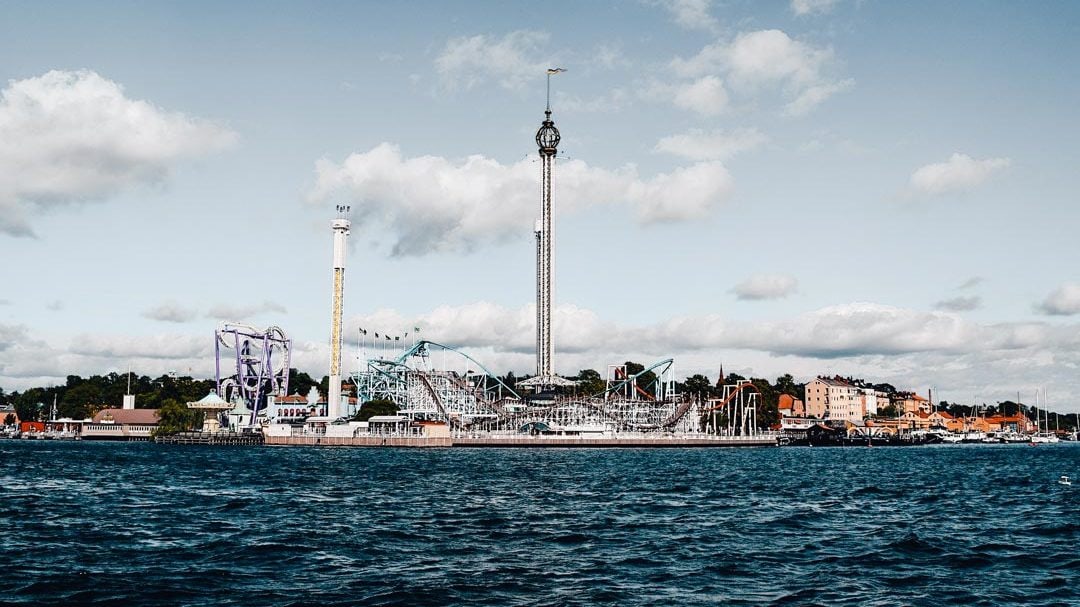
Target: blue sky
[{"x": 868, "y": 188}]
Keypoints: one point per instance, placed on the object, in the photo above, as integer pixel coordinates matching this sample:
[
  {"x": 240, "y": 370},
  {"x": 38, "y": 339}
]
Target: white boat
[
  {"x": 974, "y": 436},
  {"x": 1064, "y": 480},
  {"x": 952, "y": 438}
]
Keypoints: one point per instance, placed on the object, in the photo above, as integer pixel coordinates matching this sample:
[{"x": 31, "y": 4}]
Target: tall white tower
[
  {"x": 547, "y": 140},
  {"x": 340, "y": 226}
]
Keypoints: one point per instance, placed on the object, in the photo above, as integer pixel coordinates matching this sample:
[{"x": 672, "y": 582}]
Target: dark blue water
[{"x": 140, "y": 524}]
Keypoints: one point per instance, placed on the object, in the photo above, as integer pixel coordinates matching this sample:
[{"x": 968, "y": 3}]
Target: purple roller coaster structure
[{"x": 261, "y": 361}]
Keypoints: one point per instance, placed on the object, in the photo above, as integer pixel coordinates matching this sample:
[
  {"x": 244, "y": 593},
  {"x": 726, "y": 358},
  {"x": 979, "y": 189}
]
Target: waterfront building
[
  {"x": 292, "y": 409},
  {"x": 910, "y": 402},
  {"x": 789, "y": 406},
  {"x": 834, "y": 399},
  {"x": 121, "y": 424},
  {"x": 872, "y": 400},
  {"x": 941, "y": 419},
  {"x": 1010, "y": 423}
]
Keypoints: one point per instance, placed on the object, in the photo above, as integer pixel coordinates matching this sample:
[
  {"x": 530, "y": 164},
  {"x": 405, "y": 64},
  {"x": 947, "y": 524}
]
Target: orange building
[{"x": 1010, "y": 423}]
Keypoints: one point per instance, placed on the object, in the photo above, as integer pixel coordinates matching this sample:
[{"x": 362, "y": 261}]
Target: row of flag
[{"x": 388, "y": 337}]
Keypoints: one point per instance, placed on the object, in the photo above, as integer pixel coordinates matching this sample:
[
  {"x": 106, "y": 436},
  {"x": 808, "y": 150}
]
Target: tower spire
[{"x": 547, "y": 142}]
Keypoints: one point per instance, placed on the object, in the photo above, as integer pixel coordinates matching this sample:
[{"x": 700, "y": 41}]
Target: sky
[{"x": 877, "y": 189}]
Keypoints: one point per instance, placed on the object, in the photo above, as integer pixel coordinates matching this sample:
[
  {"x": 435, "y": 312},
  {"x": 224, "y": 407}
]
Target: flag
[
  {"x": 417, "y": 329},
  {"x": 555, "y": 70},
  {"x": 387, "y": 337},
  {"x": 376, "y": 335},
  {"x": 396, "y": 338}
]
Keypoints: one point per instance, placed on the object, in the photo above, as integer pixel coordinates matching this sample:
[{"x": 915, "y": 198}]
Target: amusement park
[{"x": 443, "y": 396}]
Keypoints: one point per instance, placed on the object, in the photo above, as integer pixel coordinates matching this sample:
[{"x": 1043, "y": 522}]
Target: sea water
[{"x": 141, "y": 524}]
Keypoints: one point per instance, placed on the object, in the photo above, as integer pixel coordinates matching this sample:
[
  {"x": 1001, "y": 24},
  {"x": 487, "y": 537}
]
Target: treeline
[{"x": 79, "y": 397}]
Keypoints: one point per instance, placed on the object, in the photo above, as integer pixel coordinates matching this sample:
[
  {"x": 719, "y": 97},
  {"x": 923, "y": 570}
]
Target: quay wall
[
  {"x": 559, "y": 442},
  {"x": 360, "y": 441},
  {"x": 659, "y": 442}
]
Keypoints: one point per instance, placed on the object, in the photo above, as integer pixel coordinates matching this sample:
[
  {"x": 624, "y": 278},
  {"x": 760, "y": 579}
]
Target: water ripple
[{"x": 137, "y": 524}]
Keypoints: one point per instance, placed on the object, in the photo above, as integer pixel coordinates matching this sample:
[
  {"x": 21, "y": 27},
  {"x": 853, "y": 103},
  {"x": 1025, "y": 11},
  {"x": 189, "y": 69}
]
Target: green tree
[
  {"x": 785, "y": 384},
  {"x": 646, "y": 381},
  {"x": 697, "y": 385},
  {"x": 9, "y": 419},
  {"x": 300, "y": 382},
  {"x": 589, "y": 382},
  {"x": 378, "y": 406},
  {"x": 173, "y": 417}
]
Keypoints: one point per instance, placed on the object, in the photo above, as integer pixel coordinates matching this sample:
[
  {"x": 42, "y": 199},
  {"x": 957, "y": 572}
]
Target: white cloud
[
  {"x": 433, "y": 204},
  {"x": 768, "y": 58},
  {"x": 815, "y": 95},
  {"x": 1064, "y": 301},
  {"x": 960, "y": 304},
  {"x": 715, "y": 145},
  {"x": 959, "y": 173},
  {"x": 972, "y": 282},
  {"x": 706, "y": 96},
  {"x": 239, "y": 312},
  {"x": 766, "y": 286},
  {"x": 160, "y": 346},
  {"x": 512, "y": 60},
  {"x": 807, "y": 7},
  {"x": 68, "y": 137},
  {"x": 909, "y": 348},
  {"x": 10, "y": 335},
  {"x": 171, "y": 311},
  {"x": 691, "y": 14}
]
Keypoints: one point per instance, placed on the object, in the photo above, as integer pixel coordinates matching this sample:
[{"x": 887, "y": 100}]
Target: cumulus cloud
[
  {"x": 714, "y": 145},
  {"x": 434, "y": 204},
  {"x": 762, "y": 59},
  {"x": 807, "y": 7},
  {"x": 706, "y": 96},
  {"x": 170, "y": 311},
  {"x": 691, "y": 14},
  {"x": 960, "y": 173},
  {"x": 164, "y": 346},
  {"x": 960, "y": 304},
  {"x": 836, "y": 332},
  {"x": 511, "y": 60},
  {"x": 26, "y": 361},
  {"x": 241, "y": 312},
  {"x": 69, "y": 137},
  {"x": 909, "y": 348},
  {"x": 11, "y": 335},
  {"x": 766, "y": 286},
  {"x": 1064, "y": 301}
]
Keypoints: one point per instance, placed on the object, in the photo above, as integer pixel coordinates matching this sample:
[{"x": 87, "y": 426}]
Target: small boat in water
[{"x": 1064, "y": 480}]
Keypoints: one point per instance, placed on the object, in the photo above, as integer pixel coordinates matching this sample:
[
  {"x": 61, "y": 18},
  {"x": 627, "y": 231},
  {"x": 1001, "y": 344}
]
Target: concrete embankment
[
  {"x": 558, "y": 442},
  {"x": 564, "y": 442},
  {"x": 360, "y": 441}
]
